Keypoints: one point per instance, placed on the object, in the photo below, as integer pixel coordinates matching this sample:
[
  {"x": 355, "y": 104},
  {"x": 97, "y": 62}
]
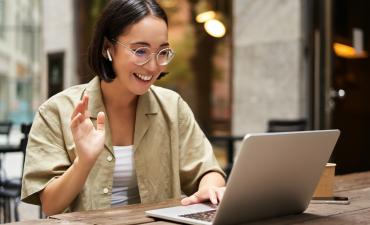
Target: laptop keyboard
[{"x": 205, "y": 215}]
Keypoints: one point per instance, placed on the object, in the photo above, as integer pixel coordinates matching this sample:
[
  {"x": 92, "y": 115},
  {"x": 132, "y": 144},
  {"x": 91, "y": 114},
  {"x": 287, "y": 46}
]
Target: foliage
[{"x": 180, "y": 69}]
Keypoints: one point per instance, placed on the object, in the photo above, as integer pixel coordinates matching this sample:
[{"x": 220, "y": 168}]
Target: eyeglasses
[{"x": 143, "y": 54}]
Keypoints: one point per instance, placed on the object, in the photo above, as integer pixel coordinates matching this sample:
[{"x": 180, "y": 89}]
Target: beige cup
[{"x": 326, "y": 183}]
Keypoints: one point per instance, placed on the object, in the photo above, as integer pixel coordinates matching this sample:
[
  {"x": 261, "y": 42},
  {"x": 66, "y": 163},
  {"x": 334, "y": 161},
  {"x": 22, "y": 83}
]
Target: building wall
[
  {"x": 20, "y": 72},
  {"x": 269, "y": 81},
  {"x": 59, "y": 36},
  {"x": 30, "y": 30},
  {"x": 19, "y": 62}
]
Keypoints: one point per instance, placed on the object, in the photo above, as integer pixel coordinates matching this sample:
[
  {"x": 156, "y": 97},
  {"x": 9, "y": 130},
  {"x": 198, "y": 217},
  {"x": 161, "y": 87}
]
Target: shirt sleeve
[
  {"x": 46, "y": 157},
  {"x": 196, "y": 153}
]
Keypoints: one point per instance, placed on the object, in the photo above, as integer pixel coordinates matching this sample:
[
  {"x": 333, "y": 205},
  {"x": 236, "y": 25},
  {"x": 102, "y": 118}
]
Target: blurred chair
[
  {"x": 10, "y": 189},
  {"x": 5, "y": 127},
  {"x": 286, "y": 125},
  {"x": 229, "y": 140}
]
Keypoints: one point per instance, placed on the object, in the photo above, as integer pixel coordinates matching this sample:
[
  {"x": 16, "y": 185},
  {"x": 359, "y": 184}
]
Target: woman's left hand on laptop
[{"x": 211, "y": 187}]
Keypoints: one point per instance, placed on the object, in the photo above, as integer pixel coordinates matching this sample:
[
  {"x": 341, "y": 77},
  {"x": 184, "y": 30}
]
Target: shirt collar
[
  {"x": 146, "y": 106},
  {"x": 146, "y": 102}
]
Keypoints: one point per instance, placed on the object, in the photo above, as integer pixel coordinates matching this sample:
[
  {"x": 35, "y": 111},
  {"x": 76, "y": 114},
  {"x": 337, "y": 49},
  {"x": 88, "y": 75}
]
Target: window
[
  {"x": 4, "y": 97},
  {"x": 2, "y": 18}
]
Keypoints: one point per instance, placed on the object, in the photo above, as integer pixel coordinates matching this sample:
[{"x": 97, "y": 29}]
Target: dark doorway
[
  {"x": 351, "y": 86},
  {"x": 55, "y": 73},
  {"x": 340, "y": 83}
]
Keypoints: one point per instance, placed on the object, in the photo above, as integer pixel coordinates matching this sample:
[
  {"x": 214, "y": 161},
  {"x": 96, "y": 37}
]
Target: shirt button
[
  {"x": 109, "y": 158},
  {"x": 105, "y": 190}
]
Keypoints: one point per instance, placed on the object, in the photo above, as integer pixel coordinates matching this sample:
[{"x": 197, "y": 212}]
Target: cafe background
[{"x": 239, "y": 64}]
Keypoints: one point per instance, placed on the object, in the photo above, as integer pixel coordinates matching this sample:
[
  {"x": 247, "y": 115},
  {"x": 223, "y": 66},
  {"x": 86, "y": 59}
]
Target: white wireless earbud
[{"x": 109, "y": 56}]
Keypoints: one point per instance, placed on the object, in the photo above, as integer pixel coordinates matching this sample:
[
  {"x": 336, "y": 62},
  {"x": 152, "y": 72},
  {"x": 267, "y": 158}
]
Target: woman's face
[{"x": 149, "y": 32}]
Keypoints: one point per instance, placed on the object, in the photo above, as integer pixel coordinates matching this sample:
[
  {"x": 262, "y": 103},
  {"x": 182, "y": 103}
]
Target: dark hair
[{"x": 116, "y": 17}]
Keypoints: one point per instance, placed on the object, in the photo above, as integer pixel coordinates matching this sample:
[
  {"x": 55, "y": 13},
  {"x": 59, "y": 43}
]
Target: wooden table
[{"x": 355, "y": 186}]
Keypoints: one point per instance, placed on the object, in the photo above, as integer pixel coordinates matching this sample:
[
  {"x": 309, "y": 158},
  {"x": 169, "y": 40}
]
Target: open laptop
[{"x": 275, "y": 174}]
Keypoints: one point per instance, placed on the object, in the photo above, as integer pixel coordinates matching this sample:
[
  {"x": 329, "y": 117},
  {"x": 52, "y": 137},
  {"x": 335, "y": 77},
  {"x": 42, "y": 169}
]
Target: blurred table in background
[
  {"x": 230, "y": 147},
  {"x": 8, "y": 191},
  {"x": 10, "y": 188},
  {"x": 4, "y": 149}
]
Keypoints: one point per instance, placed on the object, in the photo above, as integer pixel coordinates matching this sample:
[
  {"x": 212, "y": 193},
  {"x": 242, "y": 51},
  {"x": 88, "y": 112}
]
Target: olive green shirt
[{"x": 171, "y": 152}]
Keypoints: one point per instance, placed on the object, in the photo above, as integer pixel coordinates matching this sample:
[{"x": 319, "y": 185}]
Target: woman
[{"x": 118, "y": 139}]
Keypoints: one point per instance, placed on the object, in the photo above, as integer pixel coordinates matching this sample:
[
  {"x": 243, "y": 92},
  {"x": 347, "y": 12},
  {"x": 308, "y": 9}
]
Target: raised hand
[{"x": 89, "y": 140}]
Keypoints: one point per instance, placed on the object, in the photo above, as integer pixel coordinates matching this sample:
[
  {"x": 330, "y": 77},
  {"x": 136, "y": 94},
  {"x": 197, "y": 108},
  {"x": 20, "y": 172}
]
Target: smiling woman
[
  {"x": 119, "y": 139},
  {"x": 136, "y": 72}
]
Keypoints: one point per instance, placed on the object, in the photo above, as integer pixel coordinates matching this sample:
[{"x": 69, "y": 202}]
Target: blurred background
[{"x": 242, "y": 65}]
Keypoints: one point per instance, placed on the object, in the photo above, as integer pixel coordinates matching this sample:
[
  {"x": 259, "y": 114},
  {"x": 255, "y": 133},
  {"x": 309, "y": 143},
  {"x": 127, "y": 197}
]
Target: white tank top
[{"x": 125, "y": 190}]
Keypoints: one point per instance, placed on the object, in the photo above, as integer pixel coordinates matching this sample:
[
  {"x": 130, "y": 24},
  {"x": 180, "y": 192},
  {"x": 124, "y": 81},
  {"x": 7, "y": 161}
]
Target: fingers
[
  {"x": 81, "y": 107},
  {"x": 100, "y": 121},
  {"x": 85, "y": 102},
  {"x": 77, "y": 110},
  {"x": 77, "y": 120},
  {"x": 214, "y": 194},
  {"x": 81, "y": 112},
  {"x": 220, "y": 194},
  {"x": 193, "y": 199}
]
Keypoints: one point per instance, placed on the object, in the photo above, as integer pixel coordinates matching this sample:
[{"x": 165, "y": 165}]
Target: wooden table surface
[{"x": 355, "y": 186}]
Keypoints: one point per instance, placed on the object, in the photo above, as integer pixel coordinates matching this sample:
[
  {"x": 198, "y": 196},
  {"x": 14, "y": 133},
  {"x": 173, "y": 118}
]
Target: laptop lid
[{"x": 275, "y": 174}]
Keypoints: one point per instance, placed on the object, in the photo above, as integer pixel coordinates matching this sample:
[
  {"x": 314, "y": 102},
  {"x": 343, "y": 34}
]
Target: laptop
[{"x": 275, "y": 174}]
